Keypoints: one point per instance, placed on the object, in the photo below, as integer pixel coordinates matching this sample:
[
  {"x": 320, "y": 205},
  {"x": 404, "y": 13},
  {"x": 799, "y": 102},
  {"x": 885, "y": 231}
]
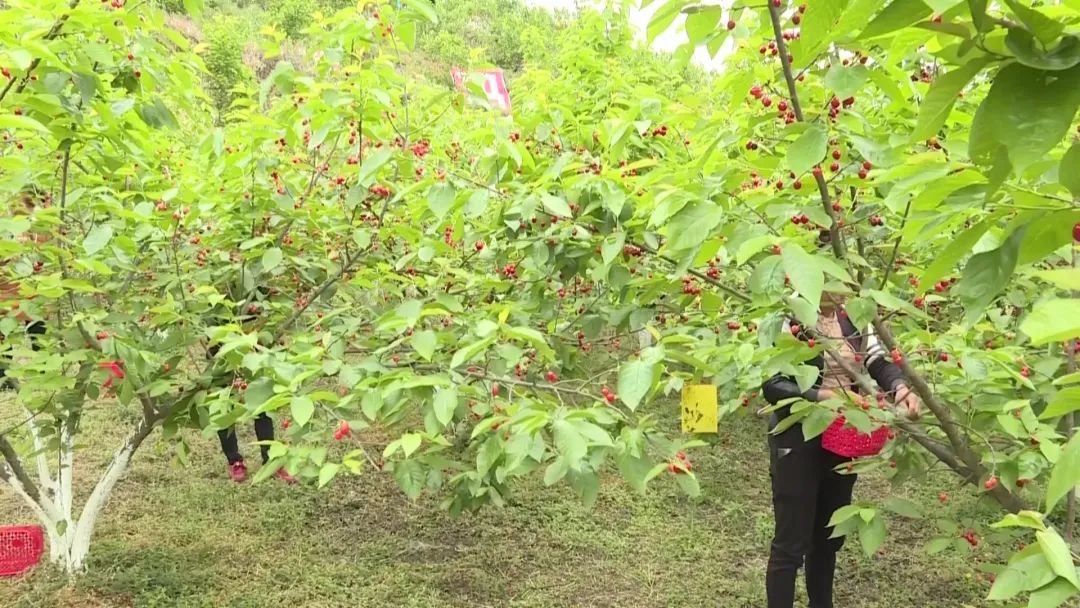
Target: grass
[{"x": 188, "y": 537}]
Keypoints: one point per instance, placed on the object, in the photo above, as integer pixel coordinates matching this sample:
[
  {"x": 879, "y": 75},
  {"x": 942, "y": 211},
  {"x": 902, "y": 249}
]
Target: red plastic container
[
  {"x": 21, "y": 548},
  {"x": 849, "y": 442}
]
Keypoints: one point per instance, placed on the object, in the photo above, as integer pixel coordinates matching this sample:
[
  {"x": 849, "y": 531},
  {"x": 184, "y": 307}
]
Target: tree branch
[{"x": 823, "y": 187}]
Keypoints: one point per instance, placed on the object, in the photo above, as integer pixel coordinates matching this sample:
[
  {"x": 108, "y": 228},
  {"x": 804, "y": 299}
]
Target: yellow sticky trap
[{"x": 699, "y": 409}]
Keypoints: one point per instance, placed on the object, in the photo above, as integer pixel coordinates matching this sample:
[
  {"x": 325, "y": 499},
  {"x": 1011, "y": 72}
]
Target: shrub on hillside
[{"x": 224, "y": 59}]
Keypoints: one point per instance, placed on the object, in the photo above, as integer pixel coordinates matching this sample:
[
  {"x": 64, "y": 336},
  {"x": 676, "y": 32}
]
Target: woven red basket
[
  {"x": 20, "y": 549},
  {"x": 849, "y": 442}
]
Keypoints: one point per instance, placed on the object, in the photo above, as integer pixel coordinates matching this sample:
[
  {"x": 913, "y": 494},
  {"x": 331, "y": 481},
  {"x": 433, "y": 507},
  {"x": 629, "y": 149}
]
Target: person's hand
[
  {"x": 907, "y": 402},
  {"x": 825, "y": 394}
]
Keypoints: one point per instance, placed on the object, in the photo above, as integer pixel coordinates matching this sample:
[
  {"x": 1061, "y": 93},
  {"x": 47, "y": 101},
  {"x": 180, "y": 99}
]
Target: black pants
[
  {"x": 264, "y": 431},
  {"x": 33, "y": 330},
  {"x": 806, "y": 491}
]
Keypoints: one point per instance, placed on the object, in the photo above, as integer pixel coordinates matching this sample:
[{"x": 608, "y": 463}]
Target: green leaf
[
  {"x": 692, "y": 225},
  {"x": 425, "y": 8},
  {"x": 903, "y": 507},
  {"x": 663, "y": 18},
  {"x": 898, "y": 14},
  {"x": 689, "y": 484},
  {"x": 410, "y": 476},
  {"x": 441, "y": 198},
  {"x": 1008, "y": 583},
  {"x": 371, "y": 164},
  {"x": 1030, "y": 52},
  {"x": 957, "y": 247},
  {"x": 1065, "y": 278},
  {"x": 861, "y": 311},
  {"x": 301, "y": 409},
  {"x": 327, "y": 473},
  {"x": 938, "y": 103},
  {"x": 446, "y": 401},
  {"x": 816, "y": 423},
  {"x": 271, "y": 258},
  {"x": 1065, "y": 475},
  {"x": 977, "y": 8},
  {"x": 424, "y": 342},
  {"x": 872, "y": 536},
  {"x": 845, "y": 81},
  {"x": 1046, "y": 29},
  {"x": 805, "y": 273},
  {"x": 1052, "y": 320},
  {"x": 13, "y": 121},
  {"x": 556, "y": 471},
  {"x": 807, "y": 150},
  {"x": 635, "y": 380},
  {"x": 1027, "y": 112},
  {"x": 986, "y": 275},
  {"x": 819, "y": 28},
  {"x": 1069, "y": 170},
  {"x": 98, "y": 237},
  {"x": 1057, "y": 553},
  {"x": 843, "y": 514},
  {"x": 410, "y": 442},
  {"x": 556, "y": 206},
  {"x": 700, "y": 24},
  {"x": 1052, "y": 595},
  {"x": 569, "y": 442},
  {"x": 1064, "y": 401},
  {"x": 467, "y": 353}
]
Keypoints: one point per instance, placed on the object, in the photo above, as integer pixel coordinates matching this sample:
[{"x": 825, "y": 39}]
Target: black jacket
[{"x": 883, "y": 371}]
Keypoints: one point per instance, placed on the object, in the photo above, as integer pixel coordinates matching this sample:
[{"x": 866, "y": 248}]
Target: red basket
[
  {"x": 20, "y": 549},
  {"x": 849, "y": 442}
]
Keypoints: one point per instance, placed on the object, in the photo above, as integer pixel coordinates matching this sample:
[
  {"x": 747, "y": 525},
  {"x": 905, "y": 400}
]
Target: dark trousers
[
  {"x": 806, "y": 491},
  {"x": 33, "y": 330},
  {"x": 264, "y": 431}
]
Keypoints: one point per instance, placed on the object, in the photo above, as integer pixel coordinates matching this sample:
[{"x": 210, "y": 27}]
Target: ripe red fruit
[
  {"x": 611, "y": 397},
  {"x": 862, "y": 173},
  {"x": 867, "y": 165},
  {"x": 817, "y": 171},
  {"x": 943, "y": 357},
  {"x": 766, "y": 101},
  {"x": 494, "y": 390},
  {"x": 836, "y": 154},
  {"x": 811, "y": 343},
  {"x": 797, "y": 185},
  {"x": 991, "y": 483},
  {"x": 795, "y": 330},
  {"x": 1076, "y": 232},
  {"x": 834, "y": 102},
  {"x": 777, "y": 3},
  {"x": 342, "y": 430},
  {"x": 834, "y": 167},
  {"x": 479, "y": 246},
  {"x": 1025, "y": 372},
  {"x": 782, "y": 106},
  {"x": 286, "y": 423},
  {"x": 918, "y": 302},
  {"x": 802, "y": 8},
  {"x": 731, "y": 24},
  {"x": 552, "y": 377},
  {"x": 102, "y": 335},
  {"x": 897, "y": 357},
  {"x": 680, "y": 455},
  {"x": 943, "y": 497},
  {"x": 796, "y": 19},
  {"x": 776, "y": 249},
  {"x": 755, "y": 91}
]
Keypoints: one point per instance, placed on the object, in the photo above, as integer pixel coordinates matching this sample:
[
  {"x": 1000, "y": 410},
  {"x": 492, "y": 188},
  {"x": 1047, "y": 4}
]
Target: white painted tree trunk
[{"x": 69, "y": 539}]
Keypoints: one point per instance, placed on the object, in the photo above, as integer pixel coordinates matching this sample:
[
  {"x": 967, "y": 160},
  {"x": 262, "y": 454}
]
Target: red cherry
[
  {"x": 342, "y": 430},
  {"x": 680, "y": 455},
  {"x": 1025, "y": 372},
  {"x": 494, "y": 390},
  {"x": 1076, "y": 232},
  {"x": 834, "y": 167},
  {"x": 552, "y": 377},
  {"x": 836, "y": 154},
  {"x": 611, "y": 397},
  {"x": 867, "y": 165},
  {"x": 943, "y": 497},
  {"x": 817, "y": 171},
  {"x": 796, "y": 19},
  {"x": 795, "y": 330},
  {"x": 862, "y": 174},
  {"x": 943, "y": 357},
  {"x": 766, "y": 101},
  {"x": 797, "y": 185},
  {"x": 802, "y": 8},
  {"x": 991, "y": 483},
  {"x": 731, "y": 24},
  {"x": 811, "y": 343},
  {"x": 286, "y": 423},
  {"x": 755, "y": 91},
  {"x": 479, "y": 245}
]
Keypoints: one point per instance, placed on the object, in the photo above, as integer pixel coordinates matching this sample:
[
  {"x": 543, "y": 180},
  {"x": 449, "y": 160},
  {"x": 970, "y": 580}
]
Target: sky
[{"x": 640, "y": 18}]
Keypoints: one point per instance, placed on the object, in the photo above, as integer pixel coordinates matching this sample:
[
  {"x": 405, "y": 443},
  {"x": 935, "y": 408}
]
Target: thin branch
[{"x": 796, "y": 107}]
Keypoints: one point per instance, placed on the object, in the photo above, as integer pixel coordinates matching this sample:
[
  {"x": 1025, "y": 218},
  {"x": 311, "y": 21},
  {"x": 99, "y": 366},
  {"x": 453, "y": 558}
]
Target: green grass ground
[{"x": 176, "y": 536}]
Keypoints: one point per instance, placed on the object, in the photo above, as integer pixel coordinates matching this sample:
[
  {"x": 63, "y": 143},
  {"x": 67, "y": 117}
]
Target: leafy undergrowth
[{"x": 176, "y": 536}]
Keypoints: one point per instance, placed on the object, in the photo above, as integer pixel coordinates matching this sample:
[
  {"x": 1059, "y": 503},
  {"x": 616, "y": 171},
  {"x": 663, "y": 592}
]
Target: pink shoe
[
  {"x": 284, "y": 476},
  {"x": 238, "y": 471}
]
